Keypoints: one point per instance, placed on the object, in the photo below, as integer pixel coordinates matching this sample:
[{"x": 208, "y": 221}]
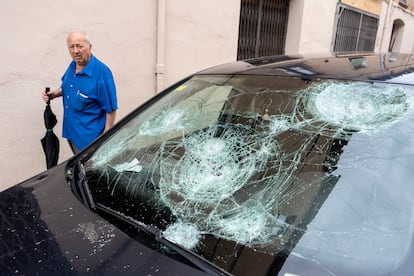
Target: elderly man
[{"x": 89, "y": 94}]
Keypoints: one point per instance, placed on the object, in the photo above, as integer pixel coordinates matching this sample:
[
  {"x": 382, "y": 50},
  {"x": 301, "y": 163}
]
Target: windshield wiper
[
  {"x": 199, "y": 262},
  {"x": 76, "y": 177}
]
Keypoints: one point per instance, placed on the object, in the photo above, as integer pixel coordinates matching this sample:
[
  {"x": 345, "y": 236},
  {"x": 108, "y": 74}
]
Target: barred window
[
  {"x": 262, "y": 28},
  {"x": 355, "y": 31}
]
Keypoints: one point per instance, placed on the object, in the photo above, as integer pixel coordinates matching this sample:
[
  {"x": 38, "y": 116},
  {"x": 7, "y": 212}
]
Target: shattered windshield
[{"x": 258, "y": 171}]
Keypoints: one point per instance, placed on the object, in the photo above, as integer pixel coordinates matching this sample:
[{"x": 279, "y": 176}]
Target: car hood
[
  {"x": 380, "y": 67},
  {"x": 46, "y": 230}
]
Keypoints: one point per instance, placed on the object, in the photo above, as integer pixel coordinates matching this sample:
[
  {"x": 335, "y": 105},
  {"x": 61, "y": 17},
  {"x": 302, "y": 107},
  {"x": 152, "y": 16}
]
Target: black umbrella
[{"x": 50, "y": 142}]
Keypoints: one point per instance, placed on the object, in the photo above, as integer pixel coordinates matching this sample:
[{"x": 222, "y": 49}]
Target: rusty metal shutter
[{"x": 262, "y": 28}]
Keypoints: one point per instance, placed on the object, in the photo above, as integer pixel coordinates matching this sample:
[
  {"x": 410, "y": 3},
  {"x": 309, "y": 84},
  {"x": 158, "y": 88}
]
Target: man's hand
[{"x": 51, "y": 94}]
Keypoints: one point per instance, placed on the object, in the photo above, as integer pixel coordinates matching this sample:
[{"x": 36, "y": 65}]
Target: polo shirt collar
[{"x": 88, "y": 70}]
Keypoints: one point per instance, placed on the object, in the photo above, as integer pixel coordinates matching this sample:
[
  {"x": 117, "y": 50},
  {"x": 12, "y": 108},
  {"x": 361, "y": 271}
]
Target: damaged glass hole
[{"x": 356, "y": 106}]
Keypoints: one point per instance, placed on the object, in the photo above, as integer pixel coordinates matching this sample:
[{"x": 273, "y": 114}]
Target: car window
[{"x": 265, "y": 166}]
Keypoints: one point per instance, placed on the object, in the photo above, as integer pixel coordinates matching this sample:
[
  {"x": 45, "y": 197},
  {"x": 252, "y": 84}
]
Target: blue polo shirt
[{"x": 87, "y": 96}]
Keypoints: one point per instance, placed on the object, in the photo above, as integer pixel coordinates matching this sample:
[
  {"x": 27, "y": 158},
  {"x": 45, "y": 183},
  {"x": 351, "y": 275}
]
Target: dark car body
[{"x": 281, "y": 165}]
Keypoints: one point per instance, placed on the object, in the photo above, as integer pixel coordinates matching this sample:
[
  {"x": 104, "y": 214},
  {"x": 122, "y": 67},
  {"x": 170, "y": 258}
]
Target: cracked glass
[{"x": 246, "y": 170}]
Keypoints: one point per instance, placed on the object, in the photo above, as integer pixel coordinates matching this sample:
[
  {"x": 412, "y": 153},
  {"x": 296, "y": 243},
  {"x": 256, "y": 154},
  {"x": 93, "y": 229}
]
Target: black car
[{"x": 283, "y": 165}]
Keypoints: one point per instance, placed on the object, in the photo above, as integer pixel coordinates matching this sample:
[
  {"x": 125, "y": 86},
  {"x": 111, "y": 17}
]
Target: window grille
[
  {"x": 355, "y": 31},
  {"x": 262, "y": 28}
]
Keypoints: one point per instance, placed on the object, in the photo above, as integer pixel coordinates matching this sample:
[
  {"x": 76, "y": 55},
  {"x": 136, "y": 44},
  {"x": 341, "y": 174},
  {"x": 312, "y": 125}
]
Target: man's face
[{"x": 79, "y": 48}]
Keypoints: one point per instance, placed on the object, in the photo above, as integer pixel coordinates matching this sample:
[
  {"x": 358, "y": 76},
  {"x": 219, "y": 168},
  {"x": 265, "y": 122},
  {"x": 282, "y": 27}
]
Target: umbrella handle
[{"x": 47, "y": 89}]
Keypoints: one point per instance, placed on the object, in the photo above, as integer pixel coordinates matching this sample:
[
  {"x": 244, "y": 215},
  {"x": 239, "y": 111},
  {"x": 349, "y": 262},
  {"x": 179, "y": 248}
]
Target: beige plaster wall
[
  {"x": 390, "y": 12},
  {"x": 372, "y": 6},
  {"x": 200, "y": 35},
  {"x": 124, "y": 35},
  {"x": 310, "y": 26}
]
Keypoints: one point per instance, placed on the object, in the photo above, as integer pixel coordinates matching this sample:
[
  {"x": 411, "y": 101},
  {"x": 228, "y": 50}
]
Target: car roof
[{"x": 378, "y": 67}]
